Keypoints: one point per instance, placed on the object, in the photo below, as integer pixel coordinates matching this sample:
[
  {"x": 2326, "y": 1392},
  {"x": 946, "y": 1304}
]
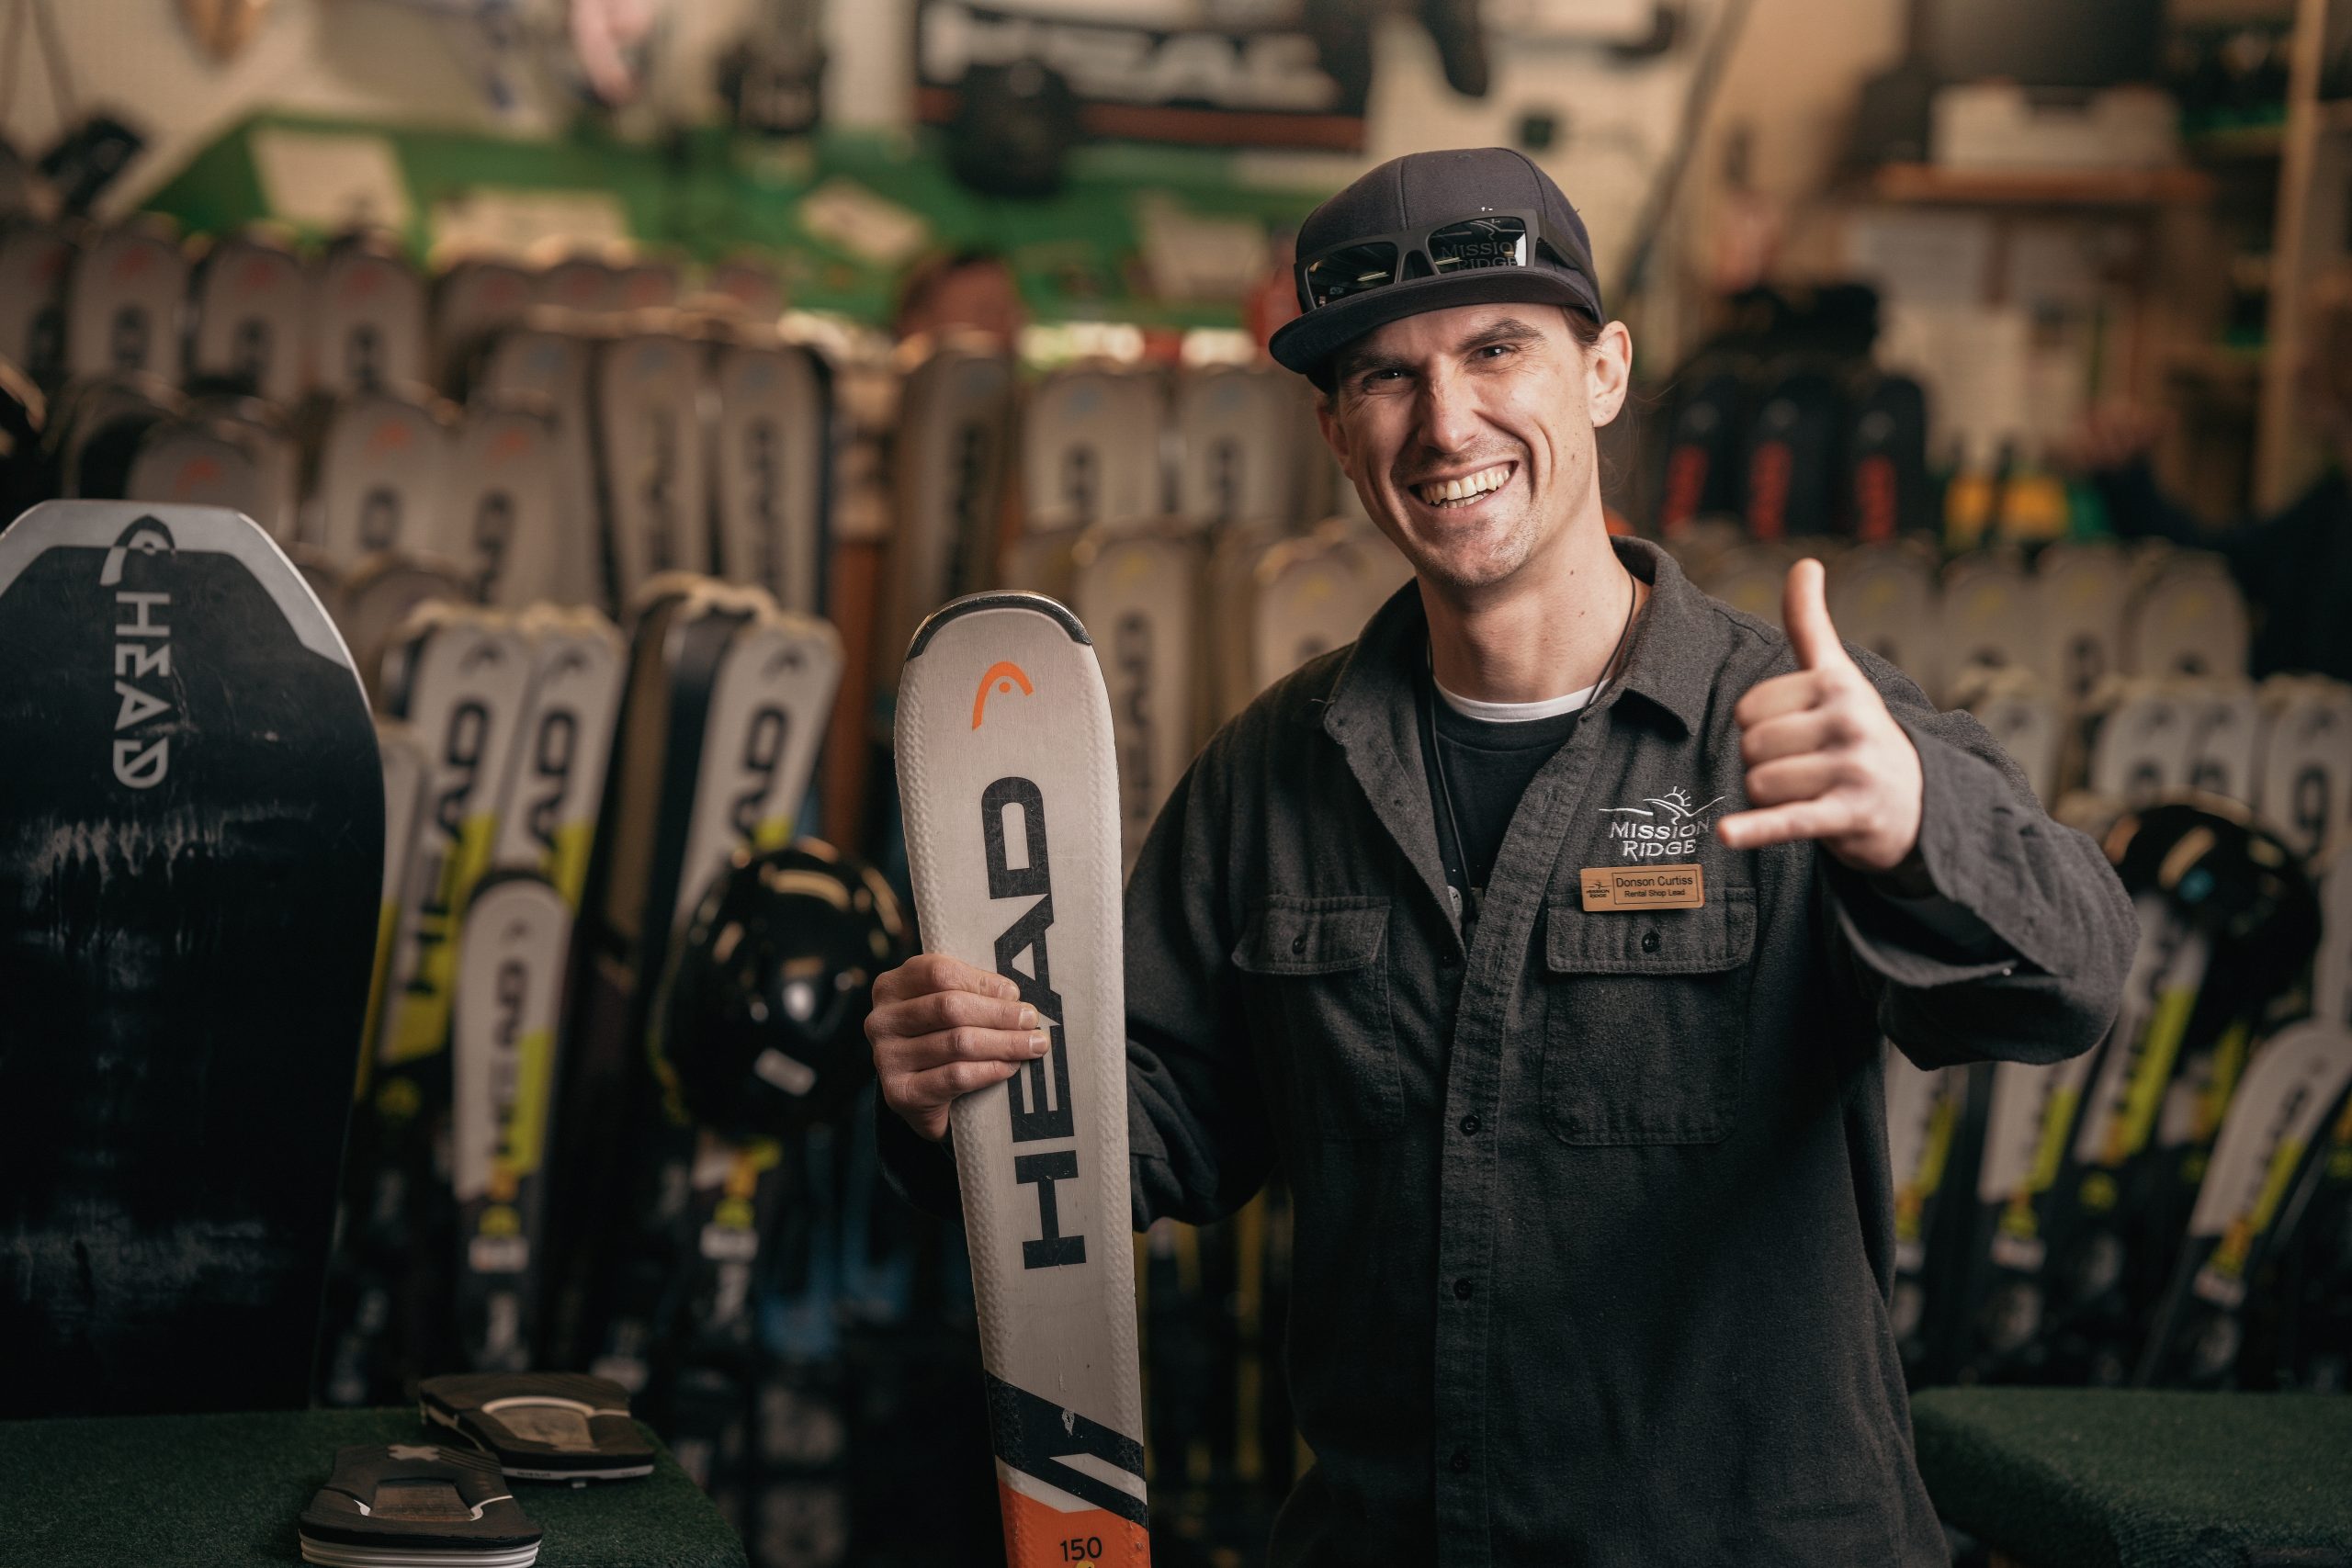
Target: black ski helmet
[
  {"x": 2230, "y": 876},
  {"x": 764, "y": 1021}
]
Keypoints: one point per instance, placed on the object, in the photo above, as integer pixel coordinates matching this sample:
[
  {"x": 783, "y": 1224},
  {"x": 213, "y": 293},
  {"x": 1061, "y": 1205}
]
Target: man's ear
[{"x": 1608, "y": 372}]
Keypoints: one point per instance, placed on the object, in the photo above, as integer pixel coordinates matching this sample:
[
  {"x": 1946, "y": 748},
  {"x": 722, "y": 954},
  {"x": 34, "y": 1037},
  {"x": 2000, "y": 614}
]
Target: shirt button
[
  {"x": 1298, "y": 942},
  {"x": 1460, "y": 1460},
  {"x": 1461, "y": 1289},
  {"x": 1448, "y": 959},
  {"x": 1470, "y": 1125},
  {"x": 1649, "y": 942}
]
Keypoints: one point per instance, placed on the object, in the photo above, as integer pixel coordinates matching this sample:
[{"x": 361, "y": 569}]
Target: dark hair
[
  {"x": 1582, "y": 327},
  {"x": 921, "y": 279}
]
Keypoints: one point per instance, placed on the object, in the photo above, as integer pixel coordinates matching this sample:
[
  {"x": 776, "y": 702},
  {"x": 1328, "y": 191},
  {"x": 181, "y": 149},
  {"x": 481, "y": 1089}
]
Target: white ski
[
  {"x": 2081, "y": 620},
  {"x": 509, "y": 1003},
  {"x": 375, "y": 480},
  {"x": 1242, "y": 438},
  {"x": 547, "y": 821},
  {"x": 1883, "y": 597},
  {"x": 1091, "y": 449},
  {"x": 460, "y": 679},
  {"x": 499, "y": 515},
  {"x": 770, "y": 454},
  {"x": 2303, "y": 788},
  {"x": 1007, "y": 776},
  {"x": 1144, "y": 591},
  {"x": 649, "y": 430},
  {"x": 122, "y": 304},
  {"x": 250, "y": 304},
  {"x": 769, "y": 706},
  {"x": 2188, "y": 619},
  {"x": 367, "y": 314}
]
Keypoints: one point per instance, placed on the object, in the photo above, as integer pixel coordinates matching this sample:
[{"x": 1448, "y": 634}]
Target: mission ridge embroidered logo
[{"x": 1662, "y": 826}]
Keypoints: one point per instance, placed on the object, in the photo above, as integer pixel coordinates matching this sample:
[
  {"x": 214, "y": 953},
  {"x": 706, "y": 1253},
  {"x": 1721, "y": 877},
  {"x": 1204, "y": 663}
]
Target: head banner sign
[{"x": 1267, "y": 84}]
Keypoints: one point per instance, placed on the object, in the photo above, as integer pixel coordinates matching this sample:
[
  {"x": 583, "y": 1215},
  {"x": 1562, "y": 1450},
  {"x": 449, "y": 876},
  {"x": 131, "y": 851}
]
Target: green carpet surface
[
  {"x": 223, "y": 1492},
  {"x": 2121, "y": 1478}
]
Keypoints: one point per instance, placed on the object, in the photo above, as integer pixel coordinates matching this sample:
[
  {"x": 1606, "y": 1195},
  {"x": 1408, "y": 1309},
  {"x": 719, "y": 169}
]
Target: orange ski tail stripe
[{"x": 1038, "y": 1535}]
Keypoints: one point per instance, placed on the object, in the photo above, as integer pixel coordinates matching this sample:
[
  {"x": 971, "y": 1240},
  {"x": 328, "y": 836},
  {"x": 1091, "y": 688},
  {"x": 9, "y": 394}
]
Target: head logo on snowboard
[
  {"x": 148, "y": 536},
  {"x": 143, "y": 652}
]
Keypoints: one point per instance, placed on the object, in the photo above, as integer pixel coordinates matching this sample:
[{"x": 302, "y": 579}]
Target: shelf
[
  {"x": 2234, "y": 368},
  {"x": 2238, "y": 142},
  {"x": 1928, "y": 184}
]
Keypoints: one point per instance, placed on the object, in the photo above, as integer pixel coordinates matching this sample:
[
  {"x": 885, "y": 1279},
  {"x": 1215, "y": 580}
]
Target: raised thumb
[{"x": 1804, "y": 615}]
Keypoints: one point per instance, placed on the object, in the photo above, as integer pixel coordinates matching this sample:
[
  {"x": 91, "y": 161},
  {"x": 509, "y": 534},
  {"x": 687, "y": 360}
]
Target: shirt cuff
[
  {"x": 1953, "y": 927},
  {"x": 922, "y": 1172},
  {"x": 1985, "y": 911}
]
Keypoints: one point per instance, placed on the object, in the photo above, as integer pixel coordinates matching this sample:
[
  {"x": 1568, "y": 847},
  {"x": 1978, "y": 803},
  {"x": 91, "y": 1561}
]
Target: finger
[
  {"x": 1793, "y": 734},
  {"x": 1804, "y": 615},
  {"x": 928, "y": 972},
  {"x": 936, "y": 1011},
  {"x": 1826, "y": 818},
  {"x": 921, "y": 1053},
  {"x": 944, "y": 1086},
  {"x": 1769, "y": 700},
  {"x": 1806, "y": 777}
]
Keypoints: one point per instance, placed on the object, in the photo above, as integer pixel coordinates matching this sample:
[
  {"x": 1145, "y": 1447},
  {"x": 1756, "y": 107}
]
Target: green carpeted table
[
  {"x": 2120, "y": 1478},
  {"x": 224, "y": 1491}
]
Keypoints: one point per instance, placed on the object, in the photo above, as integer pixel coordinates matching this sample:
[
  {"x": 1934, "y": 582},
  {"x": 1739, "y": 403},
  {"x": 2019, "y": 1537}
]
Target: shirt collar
[
  {"x": 1677, "y": 643},
  {"x": 1671, "y": 665}
]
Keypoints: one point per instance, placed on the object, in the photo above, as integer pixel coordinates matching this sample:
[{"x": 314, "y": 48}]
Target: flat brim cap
[{"x": 1421, "y": 190}]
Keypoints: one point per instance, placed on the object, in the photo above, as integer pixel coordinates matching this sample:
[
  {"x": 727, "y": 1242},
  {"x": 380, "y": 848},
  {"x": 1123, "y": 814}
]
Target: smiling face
[{"x": 1469, "y": 435}]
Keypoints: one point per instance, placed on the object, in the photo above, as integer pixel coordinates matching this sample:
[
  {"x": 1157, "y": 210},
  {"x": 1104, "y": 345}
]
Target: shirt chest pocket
[
  {"x": 1645, "y": 1020},
  {"x": 1316, "y": 993}
]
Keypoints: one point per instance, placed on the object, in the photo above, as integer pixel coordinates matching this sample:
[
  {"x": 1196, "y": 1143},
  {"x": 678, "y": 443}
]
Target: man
[
  {"x": 1592, "y": 1215},
  {"x": 2294, "y": 566},
  {"x": 968, "y": 290}
]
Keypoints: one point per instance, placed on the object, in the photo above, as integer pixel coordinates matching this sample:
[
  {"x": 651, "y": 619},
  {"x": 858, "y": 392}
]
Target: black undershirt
[{"x": 1487, "y": 768}]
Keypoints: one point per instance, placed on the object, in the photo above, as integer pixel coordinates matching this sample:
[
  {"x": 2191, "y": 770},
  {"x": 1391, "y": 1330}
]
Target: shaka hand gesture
[{"x": 1824, "y": 759}]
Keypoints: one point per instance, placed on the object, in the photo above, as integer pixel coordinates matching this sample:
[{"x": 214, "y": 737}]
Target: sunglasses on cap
[{"x": 1464, "y": 245}]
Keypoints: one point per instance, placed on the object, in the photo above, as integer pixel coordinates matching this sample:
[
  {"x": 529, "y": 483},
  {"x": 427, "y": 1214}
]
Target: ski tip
[{"x": 1036, "y": 603}]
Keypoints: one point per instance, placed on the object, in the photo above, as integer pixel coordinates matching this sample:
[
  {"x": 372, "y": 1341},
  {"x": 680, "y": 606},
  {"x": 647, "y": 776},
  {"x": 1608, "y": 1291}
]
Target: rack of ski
[
  {"x": 2170, "y": 1209},
  {"x": 557, "y": 798}
]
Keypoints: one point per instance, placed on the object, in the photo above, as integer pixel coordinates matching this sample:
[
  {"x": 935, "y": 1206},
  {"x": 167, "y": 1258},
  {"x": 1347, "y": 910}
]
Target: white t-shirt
[{"x": 1514, "y": 713}]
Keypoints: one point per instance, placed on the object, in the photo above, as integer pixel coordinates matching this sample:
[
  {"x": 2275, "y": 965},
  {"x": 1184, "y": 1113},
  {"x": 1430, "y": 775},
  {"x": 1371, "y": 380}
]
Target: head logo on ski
[
  {"x": 1038, "y": 1115},
  {"x": 1001, "y": 677}
]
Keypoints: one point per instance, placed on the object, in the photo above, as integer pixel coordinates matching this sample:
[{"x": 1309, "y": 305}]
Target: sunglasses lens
[
  {"x": 1352, "y": 271},
  {"x": 1480, "y": 242}
]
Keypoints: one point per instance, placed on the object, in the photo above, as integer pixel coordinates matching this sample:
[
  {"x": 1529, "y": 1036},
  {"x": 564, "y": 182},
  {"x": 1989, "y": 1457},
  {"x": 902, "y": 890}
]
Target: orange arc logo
[{"x": 1001, "y": 675}]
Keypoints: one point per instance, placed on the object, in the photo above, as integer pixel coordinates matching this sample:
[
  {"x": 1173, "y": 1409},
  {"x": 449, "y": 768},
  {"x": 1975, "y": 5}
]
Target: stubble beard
[
  {"x": 1494, "y": 557},
  {"x": 1479, "y": 565}
]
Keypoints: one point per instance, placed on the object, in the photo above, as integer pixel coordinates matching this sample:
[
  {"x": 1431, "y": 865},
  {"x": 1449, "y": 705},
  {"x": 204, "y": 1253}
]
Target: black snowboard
[{"x": 191, "y": 826}]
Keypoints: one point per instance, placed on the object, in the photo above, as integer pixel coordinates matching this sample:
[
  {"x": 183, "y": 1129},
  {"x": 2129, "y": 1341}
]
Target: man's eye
[{"x": 1494, "y": 350}]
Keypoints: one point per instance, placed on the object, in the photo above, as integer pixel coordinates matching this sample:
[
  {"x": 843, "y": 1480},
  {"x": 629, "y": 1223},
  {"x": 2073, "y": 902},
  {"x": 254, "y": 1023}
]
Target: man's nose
[{"x": 1449, "y": 418}]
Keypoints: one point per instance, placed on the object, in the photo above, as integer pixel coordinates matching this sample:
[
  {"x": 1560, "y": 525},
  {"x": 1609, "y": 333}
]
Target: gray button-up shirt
[{"x": 1592, "y": 1220}]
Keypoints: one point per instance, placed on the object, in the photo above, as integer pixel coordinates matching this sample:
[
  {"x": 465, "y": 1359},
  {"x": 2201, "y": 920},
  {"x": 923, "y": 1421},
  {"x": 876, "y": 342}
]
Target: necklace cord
[{"x": 1470, "y": 896}]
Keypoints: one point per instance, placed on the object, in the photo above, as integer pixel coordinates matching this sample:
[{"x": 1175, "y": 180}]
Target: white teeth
[{"x": 1466, "y": 488}]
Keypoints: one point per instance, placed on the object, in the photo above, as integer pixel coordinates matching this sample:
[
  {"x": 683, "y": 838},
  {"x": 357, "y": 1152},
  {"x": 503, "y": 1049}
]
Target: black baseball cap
[{"x": 1422, "y": 191}]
